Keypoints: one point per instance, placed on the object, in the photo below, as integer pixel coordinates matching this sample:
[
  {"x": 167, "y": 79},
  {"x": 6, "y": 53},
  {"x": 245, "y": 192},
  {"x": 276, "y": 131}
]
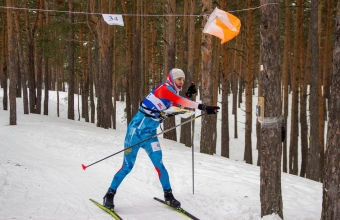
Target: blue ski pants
[{"x": 152, "y": 148}]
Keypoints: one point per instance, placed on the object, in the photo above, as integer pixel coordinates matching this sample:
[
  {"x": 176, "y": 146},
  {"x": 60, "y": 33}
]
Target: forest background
[{"x": 67, "y": 46}]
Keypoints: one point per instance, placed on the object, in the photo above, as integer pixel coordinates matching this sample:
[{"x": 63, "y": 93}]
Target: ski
[
  {"x": 179, "y": 209},
  {"x": 110, "y": 211}
]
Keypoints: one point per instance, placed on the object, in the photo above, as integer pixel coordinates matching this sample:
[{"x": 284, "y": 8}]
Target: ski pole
[{"x": 192, "y": 119}]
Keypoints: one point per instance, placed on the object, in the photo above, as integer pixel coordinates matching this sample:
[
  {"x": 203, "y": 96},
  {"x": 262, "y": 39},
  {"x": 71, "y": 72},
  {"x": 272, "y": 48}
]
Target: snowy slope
[{"x": 41, "y": 175}]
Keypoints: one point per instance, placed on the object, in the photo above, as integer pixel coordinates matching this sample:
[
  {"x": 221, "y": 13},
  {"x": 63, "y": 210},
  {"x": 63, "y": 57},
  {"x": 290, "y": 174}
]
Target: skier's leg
[
  {"x": 129, "y": 159},
  {"x": 154, "y": 152}
]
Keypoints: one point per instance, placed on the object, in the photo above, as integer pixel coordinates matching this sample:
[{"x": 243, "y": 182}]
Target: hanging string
[
  {"x": 247, "y": 9},
  {"x": 141, "y": 15}
]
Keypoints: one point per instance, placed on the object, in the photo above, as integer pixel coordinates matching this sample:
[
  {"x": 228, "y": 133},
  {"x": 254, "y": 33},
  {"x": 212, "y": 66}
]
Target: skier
[{"x": 144, "y": 125}]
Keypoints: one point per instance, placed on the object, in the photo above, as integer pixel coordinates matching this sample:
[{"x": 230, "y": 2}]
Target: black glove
[
  {"x": 191, "y": 90},
  {"x": 283, "y": 131},
  {"x": 209, "y": 109}
]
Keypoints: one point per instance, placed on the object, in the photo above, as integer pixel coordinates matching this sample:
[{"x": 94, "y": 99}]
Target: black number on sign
[{"x": 113, "y": 18}]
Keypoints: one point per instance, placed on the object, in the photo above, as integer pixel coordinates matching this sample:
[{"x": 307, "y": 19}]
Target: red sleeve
[{"x": 165, "y": 93}]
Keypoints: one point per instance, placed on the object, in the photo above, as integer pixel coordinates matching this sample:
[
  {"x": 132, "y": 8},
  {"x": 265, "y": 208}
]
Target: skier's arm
[{"x": 164, "y": 92}]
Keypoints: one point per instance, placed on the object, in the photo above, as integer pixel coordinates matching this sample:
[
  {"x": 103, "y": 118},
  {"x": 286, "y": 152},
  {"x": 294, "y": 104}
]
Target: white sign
[{"x": 113, "y": 19}]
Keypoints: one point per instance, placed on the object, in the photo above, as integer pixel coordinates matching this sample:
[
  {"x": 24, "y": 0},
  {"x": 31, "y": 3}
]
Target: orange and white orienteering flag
[{"x": 222, "y": 25}]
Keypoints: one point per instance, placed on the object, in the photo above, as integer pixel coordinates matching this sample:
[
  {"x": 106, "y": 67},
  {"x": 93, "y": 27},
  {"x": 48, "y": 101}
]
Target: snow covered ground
[{"x": 41, "y": 175}]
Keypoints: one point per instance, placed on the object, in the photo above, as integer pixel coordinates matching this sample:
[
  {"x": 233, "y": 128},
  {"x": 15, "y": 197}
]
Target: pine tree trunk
[
  {"x": 70, "y": 52},
  {"x": 225, "y": 110},
  {"x": 136, "y": 73},
  {"x": 215, "y": 80},
  {"x": 146, "y": 42},
  {"x": 114, "y": 80},
  {"x": 21, "y": 62},
  {"x": 271, "y": 146},
  {"x": 303, "y": 111},
  {"x": 183, "y": 59},
  {"x": 207, "y": 137},
  {"x": 328, "y": 48},
  {"x": 84, "y": 78},
  {"x": 11, "y": 65},
  {"x": 128, "y": 64},
  {"x": 258, "y": 124},
  {"x": 105, "y": 37},
  {"x": 46, "y": 85},
  {"x": 97, "y": 71},
  {"x": 90, "y": 79},
  {"x": 301, "y": 56},
  {"x": 105, "y": 80},
  {"x": 321, "y": 102},
  {"x": 171, "y": 60},
  {"x": 235, "y": 82},
  {"x": 295, "y": 78},
  {"x": 47, "y": 81},
  {"x": 313, "y": 167},
  {"x": 39, "y": 59},
  {"x": 331, "y": 182},
  {"x": 191, "y": 76},
  {"x": 153, "y": 50},
  {"x": 30, "y": 31},
  {"x": 249, "y": 85},
  {"x": 3, "y": 75},
  {"x": 286, "y": 69}
]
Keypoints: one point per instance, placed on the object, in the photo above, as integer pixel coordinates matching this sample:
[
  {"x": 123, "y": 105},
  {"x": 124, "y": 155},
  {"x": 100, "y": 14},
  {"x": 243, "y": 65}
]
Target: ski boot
[
  {"x": 170, "y": 199},
  {"x": 108, "y": 199}
]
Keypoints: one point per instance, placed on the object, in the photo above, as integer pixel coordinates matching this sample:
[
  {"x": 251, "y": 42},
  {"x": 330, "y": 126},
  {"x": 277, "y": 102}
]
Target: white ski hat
[{"x": 177, "y": 73}]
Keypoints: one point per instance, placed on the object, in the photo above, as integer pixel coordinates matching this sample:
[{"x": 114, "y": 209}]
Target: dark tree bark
[
  {"x": 21, "y": 62},
  {"x": 3, "y": 74},
  {"x": 285, "y": 75},
  {"x": 70, "y": 52},
  {"x": 136, "y": 71},
  {"x": 207, "y": 137},
  {"x": 225, "y": 110},
  {"x": 90, "y": 79},
  {"x": 185, "y": 136},
  {"x": 40, "y": 60},
  {"x": 171, "y": 60},
  {"x": 30, "y": 31},
  {"x": 331, "y": 181},
  {"x": 84, "y": 78},
  {"x": 46, "y": 85},
  {"x": 105, "y": 83},
  {"x": 295, "y": 79},
  {"x": 114, "y": 82},
  {"x": 327, "y": 70},
  {"x": 303, "y": 111},
  {"x": 97, "y": 70},
  {"x": 313, "y": 171},
  {"x": 270, "y": 77},
  {"x": 235, "y": 82},
  {"x": 128, "y": 64},
  {"x": 190, "y": 75},
  {"x": 11, "y": 65},
  {"x": 105, "y": 37},
  {"x": 248, "y": 158}
]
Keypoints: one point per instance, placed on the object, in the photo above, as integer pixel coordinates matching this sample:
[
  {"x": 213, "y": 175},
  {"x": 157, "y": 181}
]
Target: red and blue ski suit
[{"x": 144, "y": 125}]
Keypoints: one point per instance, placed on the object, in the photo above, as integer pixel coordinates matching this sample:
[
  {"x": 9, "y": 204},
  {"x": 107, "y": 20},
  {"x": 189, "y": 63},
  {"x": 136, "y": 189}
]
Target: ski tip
[{"x": 83, "y": 166}]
